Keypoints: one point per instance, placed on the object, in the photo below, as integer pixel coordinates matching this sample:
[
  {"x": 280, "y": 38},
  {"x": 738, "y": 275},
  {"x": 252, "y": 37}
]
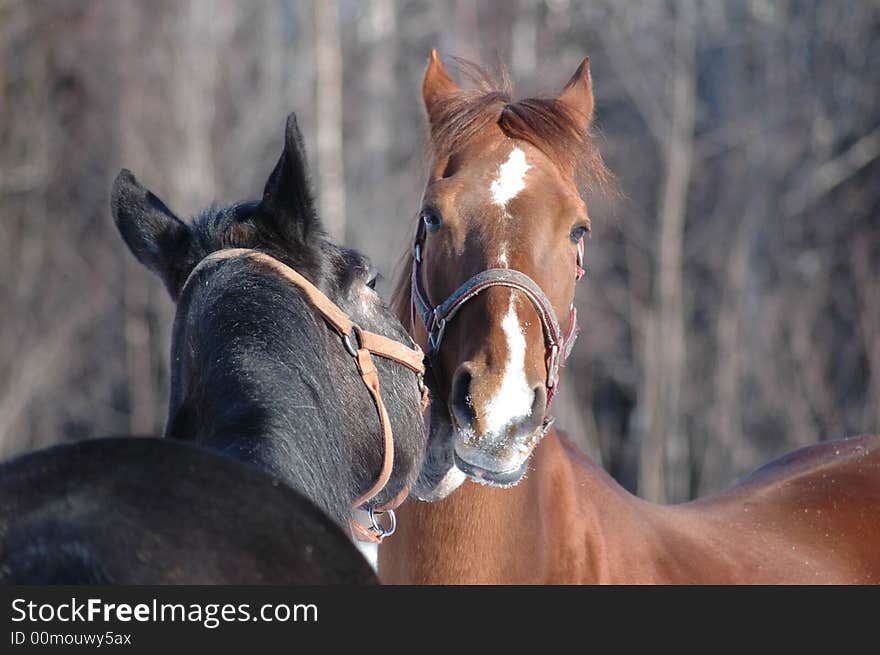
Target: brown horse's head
[{"x": 503, "y": 194}]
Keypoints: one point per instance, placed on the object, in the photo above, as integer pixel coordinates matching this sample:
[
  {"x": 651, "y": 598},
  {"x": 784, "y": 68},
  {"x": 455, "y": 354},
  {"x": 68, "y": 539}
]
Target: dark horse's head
[
  {"x": 497, "y": 254},
  {"x": 255, "y": 371}
]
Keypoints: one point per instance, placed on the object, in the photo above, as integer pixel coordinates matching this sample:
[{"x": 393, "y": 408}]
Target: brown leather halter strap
[
  {"x": 436, "y": 317},
  {"x": 359, "y": 344}
]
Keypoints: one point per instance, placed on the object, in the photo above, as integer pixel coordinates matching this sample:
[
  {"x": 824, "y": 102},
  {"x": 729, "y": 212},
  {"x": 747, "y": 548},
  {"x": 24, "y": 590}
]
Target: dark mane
[
  {"x": 401, "y": 296},
  {"x": 545, "y": 123}
]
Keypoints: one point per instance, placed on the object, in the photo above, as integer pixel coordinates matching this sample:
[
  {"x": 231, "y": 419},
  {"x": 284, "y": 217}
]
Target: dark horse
[{"x": 257, "y": 375}]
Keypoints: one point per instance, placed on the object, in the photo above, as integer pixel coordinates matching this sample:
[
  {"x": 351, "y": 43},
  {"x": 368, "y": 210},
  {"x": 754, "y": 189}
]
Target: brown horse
[{"x": 503, "y": 195}]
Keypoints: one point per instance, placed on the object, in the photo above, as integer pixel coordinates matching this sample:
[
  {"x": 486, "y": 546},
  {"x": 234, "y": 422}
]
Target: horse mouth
[
  {"x": 503, "y": 478},
  {"x": 498, "y": 464}
]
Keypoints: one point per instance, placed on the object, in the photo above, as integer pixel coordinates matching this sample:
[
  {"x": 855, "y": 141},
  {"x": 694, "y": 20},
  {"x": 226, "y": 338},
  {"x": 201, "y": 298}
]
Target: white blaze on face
[
  {"x": 514, "y": 398},
  {"x": 510, "y": 181},
  {"x": 511, "y": 178}
]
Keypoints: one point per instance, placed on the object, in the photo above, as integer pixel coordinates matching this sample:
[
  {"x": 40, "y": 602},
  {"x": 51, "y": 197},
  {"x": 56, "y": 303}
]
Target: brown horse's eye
[
  {"x": 432, "y": 219},
  {"x": 578, "y": 232}
]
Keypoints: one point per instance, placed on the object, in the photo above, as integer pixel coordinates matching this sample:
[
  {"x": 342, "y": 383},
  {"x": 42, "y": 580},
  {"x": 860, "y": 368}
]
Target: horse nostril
[
  {"x": 539, "y": 403},
  {"x": 460, "y": 401}
]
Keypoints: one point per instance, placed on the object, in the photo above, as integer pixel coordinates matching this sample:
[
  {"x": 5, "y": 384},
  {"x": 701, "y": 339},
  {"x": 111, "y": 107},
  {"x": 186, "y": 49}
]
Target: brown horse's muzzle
[{"x": 488, "y": 448}]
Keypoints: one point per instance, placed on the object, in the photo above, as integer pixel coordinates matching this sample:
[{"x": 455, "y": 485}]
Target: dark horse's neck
[{"x": 258, "y": 377}]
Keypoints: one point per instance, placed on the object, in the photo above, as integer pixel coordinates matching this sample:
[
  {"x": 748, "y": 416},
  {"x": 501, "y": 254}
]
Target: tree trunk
[
  {"x": 328, "y": 60},
  {"x": 665, "y": 449}
]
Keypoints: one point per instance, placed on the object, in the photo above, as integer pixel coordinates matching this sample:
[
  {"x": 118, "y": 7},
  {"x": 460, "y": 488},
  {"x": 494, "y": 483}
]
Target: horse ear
[
  {"x": 577, "y": 95},
  {"x": 437, "y": 85},
  {"x": 157, "y": 238},
  {"x": 287, "y": 199}
]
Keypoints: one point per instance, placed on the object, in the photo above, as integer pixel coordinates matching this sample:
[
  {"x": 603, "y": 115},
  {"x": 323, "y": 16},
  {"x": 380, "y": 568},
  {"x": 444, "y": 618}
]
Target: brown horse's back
[{"x": 809, "y": 516}]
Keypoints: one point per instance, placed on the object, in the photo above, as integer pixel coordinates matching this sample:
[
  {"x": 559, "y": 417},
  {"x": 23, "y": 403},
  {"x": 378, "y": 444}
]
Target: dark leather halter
[
  {"x": 359, "y": 344},
  {"x": 436, "y": 317}
]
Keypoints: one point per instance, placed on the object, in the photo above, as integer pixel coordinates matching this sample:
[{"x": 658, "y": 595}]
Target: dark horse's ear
[
  {"x": 577, "y": 96},
  {"x": 436, "y": 86},
  {"x": 158, "y": 239},
  {"x": 287, "y": 199}
]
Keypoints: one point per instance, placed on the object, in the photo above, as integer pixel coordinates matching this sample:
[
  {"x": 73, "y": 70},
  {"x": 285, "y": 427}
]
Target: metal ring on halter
[
  {"x": 377, "y": 526},
  {"x": 437, "y": 336},
  {"x": 349, "y": 346},
  {"x": 349, "y": 343}
]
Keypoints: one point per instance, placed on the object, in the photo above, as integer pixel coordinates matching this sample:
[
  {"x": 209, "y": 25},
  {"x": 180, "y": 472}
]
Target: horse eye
[
  {"x": 373, "y": 280},
  {"x": 432, "y": 219},
  {"x": 578, "y": 232}
]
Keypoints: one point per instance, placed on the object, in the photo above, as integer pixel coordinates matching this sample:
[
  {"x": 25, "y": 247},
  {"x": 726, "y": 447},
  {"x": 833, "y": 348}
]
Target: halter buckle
[
  {"x": 418, "y": 253},
  {"x": 376, "y": 525}
]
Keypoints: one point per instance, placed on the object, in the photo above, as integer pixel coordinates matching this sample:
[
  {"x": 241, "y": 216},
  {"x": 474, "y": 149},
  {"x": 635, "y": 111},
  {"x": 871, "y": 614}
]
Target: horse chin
[{"x": 488, "y": 472}]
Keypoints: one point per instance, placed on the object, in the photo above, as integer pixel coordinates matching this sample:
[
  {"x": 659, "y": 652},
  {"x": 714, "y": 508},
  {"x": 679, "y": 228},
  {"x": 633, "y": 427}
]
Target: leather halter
[
  {"x": 436, "y": 317},
  {"x": 360, "y": 344}
]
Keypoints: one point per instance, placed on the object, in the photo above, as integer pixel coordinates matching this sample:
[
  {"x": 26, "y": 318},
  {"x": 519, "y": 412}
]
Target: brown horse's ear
[
  {"x": 437, "y": 85},
  {"x": 577, "y": 96}
]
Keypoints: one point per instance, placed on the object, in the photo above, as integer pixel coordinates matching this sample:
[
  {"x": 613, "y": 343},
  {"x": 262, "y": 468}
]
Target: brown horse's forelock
[
  {"x": 549, "y": 125},
  {"x": 545, "y": 123}
]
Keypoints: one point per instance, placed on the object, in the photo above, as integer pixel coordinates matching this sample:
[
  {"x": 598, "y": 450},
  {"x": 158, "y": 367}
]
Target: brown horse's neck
[
  {"x": 568, "y": 522},
  {"x": 521, "y": 535}
]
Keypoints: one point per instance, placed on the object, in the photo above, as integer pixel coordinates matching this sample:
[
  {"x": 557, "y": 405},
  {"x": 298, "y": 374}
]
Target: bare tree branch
[{"x": 833, "y": 173}]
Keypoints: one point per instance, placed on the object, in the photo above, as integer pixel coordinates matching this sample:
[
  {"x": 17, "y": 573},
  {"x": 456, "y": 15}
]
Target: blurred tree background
[{"x": 732, "y": 305}]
